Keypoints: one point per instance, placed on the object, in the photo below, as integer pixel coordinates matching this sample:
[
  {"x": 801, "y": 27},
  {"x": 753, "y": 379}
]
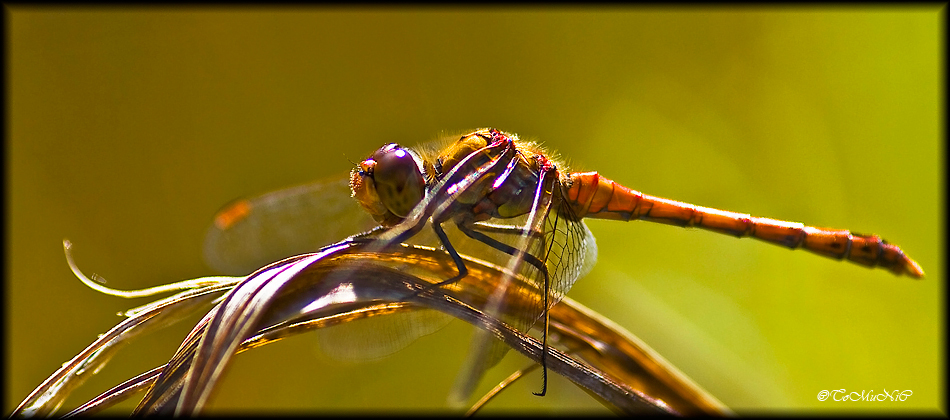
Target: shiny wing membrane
[{"x": 248, "y": 234}]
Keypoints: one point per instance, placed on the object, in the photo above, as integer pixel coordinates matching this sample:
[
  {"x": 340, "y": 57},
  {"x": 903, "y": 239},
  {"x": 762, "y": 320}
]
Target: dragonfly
[{"x": 491, "y": 195}]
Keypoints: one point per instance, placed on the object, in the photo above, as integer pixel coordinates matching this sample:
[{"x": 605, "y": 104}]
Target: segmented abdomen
[{"x": 591, "y": 195}]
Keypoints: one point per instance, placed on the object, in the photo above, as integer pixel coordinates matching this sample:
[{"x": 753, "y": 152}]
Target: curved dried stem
[{"x": 341, "y": 284}]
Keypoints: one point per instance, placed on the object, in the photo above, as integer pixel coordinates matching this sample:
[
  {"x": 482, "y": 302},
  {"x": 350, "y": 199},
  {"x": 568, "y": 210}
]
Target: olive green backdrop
[{"x": 128, "y": 128}]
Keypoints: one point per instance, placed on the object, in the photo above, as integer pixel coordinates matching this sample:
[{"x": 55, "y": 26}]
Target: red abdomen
[{"x": 591, "y": 195}]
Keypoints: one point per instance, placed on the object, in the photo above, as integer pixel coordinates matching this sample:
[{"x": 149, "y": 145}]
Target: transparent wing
[
  {"x": 571, "y": 250},
  {"x": 562, "y": 244},
  {"x": 250, "y": 233}
]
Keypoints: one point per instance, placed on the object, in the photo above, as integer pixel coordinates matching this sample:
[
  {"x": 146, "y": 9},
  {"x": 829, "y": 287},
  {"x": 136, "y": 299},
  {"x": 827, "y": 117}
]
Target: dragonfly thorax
[{"x": 506, "y": 187}]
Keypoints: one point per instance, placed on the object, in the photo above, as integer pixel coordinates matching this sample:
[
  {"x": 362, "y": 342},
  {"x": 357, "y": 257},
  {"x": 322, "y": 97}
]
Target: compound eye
[{"x": 399, "y": 179}]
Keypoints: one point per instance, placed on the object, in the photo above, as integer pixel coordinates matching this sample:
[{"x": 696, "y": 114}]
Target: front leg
[{"x": 459, "y": 263}]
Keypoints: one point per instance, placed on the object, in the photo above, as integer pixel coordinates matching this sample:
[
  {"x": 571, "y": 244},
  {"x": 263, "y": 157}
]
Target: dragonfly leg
[
  {"x": 459, "y": 263},
  {"x": 463, "y": 271},
  {"x": 504, "y": 229},
  {"x": 470, "y": 231}
]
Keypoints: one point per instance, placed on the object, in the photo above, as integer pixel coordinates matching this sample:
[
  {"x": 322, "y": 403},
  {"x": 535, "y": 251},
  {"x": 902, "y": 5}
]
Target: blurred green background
[{"x": 129, "y": 128}]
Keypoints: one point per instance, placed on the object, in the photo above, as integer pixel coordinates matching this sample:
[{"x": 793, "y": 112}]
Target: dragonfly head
[{"x": 389, "y": 183}]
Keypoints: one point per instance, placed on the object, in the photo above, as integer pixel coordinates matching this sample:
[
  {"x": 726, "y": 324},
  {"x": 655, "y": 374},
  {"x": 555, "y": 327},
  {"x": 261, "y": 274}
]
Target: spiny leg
[
  {"x": 488, "y": 240},
  {"x": 540, "y": 209},
  {"x": 459, "y": 263},
  {"x": 547, "y": 319},
  {"x": 469, "y": 231},
  {"x": 530, "y": 259},
  {"x": 504, "y": 229}
]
